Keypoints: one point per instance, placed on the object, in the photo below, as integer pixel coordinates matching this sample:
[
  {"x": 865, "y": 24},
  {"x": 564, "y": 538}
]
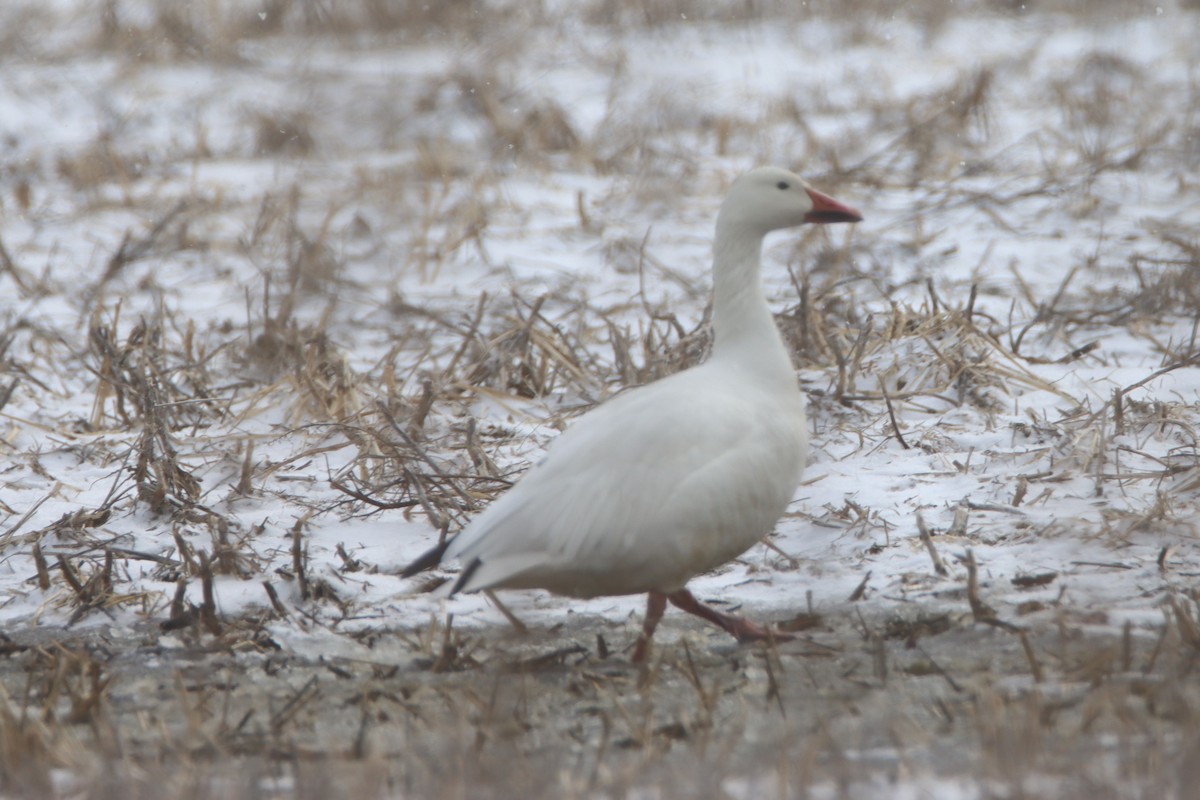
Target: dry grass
[
  {"x": 696, "y": 718},
  {"x": 188, "y": 417}
]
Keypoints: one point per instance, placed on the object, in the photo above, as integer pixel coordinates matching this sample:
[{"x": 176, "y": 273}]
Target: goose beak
[{"x": 826, "y": 209}]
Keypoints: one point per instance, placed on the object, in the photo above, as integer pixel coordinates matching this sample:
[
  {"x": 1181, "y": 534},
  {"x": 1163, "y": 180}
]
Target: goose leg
[
  {"x": 655, "y": 606},
  {"x": 739, "y": 628}
]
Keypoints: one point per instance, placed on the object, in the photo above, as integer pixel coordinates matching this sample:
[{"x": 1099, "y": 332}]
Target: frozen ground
[{"x": 286, "y": 288}]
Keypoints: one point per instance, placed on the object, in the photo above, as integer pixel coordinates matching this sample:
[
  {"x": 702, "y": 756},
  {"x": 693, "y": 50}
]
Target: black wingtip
[
  {"x": 429, "y": 559},
  {"x": 467, "y": 572}
]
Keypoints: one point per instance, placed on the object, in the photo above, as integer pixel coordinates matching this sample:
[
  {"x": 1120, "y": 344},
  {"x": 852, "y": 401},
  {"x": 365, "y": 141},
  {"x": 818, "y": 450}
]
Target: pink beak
[{"x": 826, "y": 209}]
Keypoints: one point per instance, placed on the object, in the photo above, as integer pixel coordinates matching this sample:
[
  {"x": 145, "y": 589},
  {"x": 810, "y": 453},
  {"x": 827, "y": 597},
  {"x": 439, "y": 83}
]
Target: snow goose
[{"x": 677, "y": 477}]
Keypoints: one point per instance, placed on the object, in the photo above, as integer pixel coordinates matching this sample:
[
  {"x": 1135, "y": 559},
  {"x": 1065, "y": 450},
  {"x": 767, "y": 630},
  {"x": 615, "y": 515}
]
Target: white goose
[{"x": 675, "y": 478}]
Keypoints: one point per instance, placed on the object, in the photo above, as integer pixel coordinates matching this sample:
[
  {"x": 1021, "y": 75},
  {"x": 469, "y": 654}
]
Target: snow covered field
[{"x": 288, "y": 287}]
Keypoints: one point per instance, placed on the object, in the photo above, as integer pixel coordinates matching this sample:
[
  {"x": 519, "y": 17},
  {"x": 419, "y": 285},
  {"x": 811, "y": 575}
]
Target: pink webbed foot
[{"x": 739, "y": 628}]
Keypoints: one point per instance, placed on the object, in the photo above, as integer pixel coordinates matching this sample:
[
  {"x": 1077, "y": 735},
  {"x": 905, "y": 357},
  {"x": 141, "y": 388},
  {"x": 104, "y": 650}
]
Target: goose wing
[{"x": 632, "y": 498}]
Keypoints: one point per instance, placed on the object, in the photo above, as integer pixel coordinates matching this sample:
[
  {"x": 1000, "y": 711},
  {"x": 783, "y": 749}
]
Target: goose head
[{"x": 768, "y": 198}]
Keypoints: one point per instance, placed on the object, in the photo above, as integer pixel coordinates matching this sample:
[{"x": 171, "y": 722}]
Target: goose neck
[{"x": 742, "y": 321}]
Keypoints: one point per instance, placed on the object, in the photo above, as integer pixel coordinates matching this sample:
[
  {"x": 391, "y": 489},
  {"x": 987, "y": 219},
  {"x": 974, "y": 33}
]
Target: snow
[{"x": 63, "y": 449}]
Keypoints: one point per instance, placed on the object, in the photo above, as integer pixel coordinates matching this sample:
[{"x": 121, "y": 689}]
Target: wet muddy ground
[{"x": 1057, "y": 707}]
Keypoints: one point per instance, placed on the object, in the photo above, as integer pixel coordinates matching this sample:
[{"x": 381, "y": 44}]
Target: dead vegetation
[
  {"x": 328, "y": 380},
  {"x": 1042, "y": 704}
]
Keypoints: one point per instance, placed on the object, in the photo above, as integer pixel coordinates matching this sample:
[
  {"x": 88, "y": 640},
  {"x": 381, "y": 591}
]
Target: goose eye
[{"x": 782, "y": 186}]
